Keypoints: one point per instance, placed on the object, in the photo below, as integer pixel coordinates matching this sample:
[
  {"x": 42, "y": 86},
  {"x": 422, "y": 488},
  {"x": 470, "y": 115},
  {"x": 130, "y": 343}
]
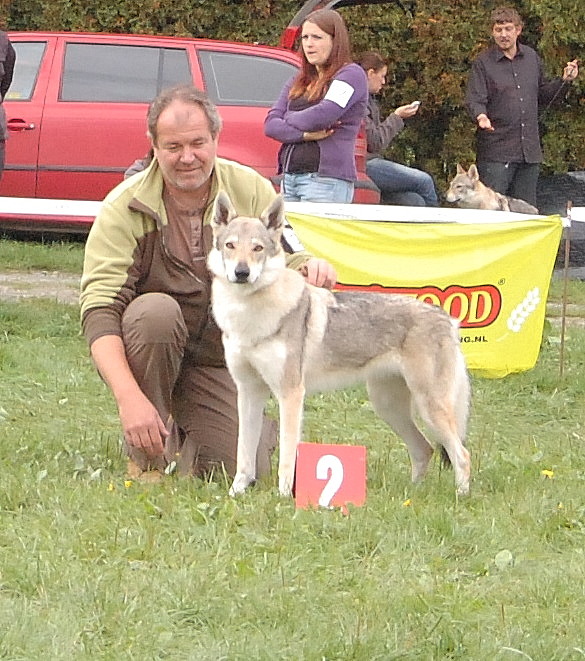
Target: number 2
[{"x": 330, "y": 468}]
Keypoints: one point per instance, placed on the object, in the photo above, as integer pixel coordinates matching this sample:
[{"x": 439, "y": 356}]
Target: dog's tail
[{"x": 461, "y": 396}]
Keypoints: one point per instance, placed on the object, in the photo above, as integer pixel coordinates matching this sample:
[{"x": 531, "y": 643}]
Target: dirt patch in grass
[{"x": 61, "y": 287}]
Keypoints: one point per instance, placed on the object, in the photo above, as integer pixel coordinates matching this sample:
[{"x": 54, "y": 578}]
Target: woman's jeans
[
  {"x": 400, "y": 184},
  {"x": 312, "y": 187}
]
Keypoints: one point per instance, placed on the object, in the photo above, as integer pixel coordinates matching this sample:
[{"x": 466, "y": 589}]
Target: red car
[{"x": 76, "y": 109}]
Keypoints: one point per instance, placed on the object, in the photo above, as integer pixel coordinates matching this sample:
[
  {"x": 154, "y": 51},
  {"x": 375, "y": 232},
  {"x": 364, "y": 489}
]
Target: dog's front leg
[
  {"x": 290, "y": 406},
  {"x": 252, "y": 398}
]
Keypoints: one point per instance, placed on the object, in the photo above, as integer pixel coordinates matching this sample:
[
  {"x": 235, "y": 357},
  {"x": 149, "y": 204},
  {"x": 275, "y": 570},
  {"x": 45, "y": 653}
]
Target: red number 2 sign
[{"x": 330, "y": 475}]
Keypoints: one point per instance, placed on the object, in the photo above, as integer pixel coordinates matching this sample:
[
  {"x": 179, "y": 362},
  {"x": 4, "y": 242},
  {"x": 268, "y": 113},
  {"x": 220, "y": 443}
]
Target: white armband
[{"x": 339, "y": 92}]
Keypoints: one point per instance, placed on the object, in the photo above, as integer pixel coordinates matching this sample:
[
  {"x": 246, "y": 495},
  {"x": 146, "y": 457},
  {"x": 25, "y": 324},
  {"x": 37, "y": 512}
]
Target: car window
[
  {"x": 243, "y": 80},
  {"x": 26, "y": 69},
  {"x": 124, "y": 74}
]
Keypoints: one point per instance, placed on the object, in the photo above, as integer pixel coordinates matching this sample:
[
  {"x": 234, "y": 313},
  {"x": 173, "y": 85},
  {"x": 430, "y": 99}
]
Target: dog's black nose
[{"x": 242, "y": 272}]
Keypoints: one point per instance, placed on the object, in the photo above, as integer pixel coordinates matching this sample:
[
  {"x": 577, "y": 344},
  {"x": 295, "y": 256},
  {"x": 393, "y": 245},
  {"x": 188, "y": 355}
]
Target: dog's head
[
  {"x": 246, "y": 250},
  {"x": 462, "y": 185}
]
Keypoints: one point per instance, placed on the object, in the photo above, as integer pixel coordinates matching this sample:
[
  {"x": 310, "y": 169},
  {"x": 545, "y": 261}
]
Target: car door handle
[{"x": 19, "y": 125}]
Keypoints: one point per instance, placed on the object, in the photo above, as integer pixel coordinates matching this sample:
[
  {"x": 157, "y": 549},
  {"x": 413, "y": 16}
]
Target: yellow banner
[{"x": 493, "y": 277}]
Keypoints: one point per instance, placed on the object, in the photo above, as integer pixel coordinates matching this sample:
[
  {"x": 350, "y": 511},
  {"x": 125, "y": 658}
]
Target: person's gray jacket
[{"x": 379, "y": 134}]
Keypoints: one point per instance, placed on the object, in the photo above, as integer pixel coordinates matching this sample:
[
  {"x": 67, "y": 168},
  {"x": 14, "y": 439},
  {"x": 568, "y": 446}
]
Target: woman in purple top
[{"x": 318, "y": 115}]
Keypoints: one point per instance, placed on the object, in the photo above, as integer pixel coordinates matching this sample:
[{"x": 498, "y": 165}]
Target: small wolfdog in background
[{"x": 467, "y": 192}]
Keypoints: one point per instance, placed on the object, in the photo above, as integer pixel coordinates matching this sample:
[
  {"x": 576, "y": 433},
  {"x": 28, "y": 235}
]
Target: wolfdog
[
  {"x": 467, "y": 192},
  {"x": 284, "y": 336}
]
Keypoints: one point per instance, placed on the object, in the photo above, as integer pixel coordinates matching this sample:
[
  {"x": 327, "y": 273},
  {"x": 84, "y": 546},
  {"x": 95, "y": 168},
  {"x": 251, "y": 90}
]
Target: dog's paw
[
  {"x": 285, "y": 488},
  {"x": 240, "y": 484},
  {"x": 463, "y": 490}
]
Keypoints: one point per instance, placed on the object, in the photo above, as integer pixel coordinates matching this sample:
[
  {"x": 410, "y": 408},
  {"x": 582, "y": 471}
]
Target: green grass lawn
[
  {"x": 43, "y": 253},
  {"x": 94, "y": 567}
]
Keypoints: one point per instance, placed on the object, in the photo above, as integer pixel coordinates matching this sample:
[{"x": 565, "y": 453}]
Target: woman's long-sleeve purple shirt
[{"x": 342, "y": 108}]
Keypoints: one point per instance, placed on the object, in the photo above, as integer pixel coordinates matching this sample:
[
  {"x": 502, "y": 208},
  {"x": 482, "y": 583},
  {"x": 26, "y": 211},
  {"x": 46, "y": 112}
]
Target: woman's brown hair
[
  {"x": 309, "y": 81},
  {"x": 371, "y": 60}
]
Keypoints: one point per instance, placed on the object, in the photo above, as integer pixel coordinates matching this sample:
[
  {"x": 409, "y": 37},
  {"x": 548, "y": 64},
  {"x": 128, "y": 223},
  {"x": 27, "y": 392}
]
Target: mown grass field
[{"x": 95, "y": 567}]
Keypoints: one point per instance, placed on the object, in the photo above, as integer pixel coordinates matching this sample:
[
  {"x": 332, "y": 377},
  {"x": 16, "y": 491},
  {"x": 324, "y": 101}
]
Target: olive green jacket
[{"x": 126, "y": 255}]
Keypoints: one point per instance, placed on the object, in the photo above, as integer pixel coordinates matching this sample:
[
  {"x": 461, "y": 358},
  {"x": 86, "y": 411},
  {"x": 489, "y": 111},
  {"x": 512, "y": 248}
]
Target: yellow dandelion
[
  {"x": 547, "y": 473},
  {"x": 111, "y": 486},
  {"x": 407, "y": 503},
  {"x": 560, "y": 506},
  {"x": 128, "y": 483}
]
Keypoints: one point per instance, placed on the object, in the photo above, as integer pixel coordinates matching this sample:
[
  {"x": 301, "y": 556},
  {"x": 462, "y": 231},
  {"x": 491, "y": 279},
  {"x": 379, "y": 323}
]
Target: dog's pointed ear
[
  {"x": 224, "y": 210},
  {"x": 473, "y": 173},
  {"x": 460, "y": 170},
  {"x": 273, "y": 215}
]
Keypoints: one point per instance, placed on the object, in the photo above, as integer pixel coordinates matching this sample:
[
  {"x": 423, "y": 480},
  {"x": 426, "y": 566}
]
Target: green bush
[{"x": 429, "y": 44}]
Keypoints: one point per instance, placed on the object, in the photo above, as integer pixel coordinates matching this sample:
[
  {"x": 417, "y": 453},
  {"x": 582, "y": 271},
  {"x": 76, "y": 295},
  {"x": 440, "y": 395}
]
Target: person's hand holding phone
[{"x": 404, "y": 112}]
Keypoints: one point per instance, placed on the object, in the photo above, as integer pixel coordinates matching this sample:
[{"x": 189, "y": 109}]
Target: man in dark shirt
[
  {"x": 7, "y": 59},
  {"x": 504, "y": 92}
]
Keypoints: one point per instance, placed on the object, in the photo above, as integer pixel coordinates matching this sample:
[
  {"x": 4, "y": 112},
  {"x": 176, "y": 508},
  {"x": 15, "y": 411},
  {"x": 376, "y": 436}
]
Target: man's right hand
[
  {"x": 142, "y": 426},
  {"x": 483, "y": 121}
]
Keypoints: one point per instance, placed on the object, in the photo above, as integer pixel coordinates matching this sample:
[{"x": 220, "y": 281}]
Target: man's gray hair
[{"x": 188, "y": 94}]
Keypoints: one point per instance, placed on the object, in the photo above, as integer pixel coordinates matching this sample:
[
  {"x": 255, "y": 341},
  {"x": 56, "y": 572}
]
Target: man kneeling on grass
[{"x": 145, "y": 294}]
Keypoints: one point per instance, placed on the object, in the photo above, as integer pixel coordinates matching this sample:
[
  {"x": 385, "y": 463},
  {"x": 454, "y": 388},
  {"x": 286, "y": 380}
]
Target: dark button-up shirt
[
  {"x": 7, "y": 59},
  {"x": 509, "y": 92}
]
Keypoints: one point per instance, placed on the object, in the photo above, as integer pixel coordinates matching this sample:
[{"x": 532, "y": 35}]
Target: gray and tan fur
[
  {"x": 468, "y": 192},
  {"x": 286, "y": 337}
]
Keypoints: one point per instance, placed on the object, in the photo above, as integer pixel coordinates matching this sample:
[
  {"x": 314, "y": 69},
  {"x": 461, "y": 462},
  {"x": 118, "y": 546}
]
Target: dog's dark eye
[
  {"x": 258, "y": 248},
  {"x": 229, "y": 245}
]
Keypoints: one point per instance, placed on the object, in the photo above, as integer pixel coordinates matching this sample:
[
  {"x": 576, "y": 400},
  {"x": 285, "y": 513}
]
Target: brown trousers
[{"x": 201, "y": 400}]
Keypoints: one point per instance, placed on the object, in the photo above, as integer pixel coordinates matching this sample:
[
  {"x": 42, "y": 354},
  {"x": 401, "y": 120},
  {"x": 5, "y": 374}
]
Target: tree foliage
[{"x": 429, "y": 45}]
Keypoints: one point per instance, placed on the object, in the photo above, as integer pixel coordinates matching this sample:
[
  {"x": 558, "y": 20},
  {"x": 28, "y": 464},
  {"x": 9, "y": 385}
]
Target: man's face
[
  {"x": 505, "y": 35},
  {"x": 185, "y": 148}
]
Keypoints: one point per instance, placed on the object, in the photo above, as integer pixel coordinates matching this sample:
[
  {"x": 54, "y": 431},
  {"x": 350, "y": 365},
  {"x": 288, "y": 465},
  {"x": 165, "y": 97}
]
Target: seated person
[{"x": 398, "y": 183}]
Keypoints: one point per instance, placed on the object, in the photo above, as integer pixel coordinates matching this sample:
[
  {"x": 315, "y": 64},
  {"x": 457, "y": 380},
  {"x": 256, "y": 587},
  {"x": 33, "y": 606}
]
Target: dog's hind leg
[
  {"x": 252, "y": 396},
  {"x": 443, "y": 422},
  {"x": 444, "y": 405},
  {"x": 291, "y": 419},
  {"x": 392, "y": 401}
]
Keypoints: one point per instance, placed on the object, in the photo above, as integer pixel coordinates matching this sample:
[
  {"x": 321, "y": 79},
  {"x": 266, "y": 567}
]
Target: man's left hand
[
  {"x": 320, "y": 273},
  {"x": 571, "y": 71}
]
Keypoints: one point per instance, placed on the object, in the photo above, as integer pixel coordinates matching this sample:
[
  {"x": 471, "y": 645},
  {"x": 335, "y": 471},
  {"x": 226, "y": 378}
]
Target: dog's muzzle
[{"x": 242, "y": 273}]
